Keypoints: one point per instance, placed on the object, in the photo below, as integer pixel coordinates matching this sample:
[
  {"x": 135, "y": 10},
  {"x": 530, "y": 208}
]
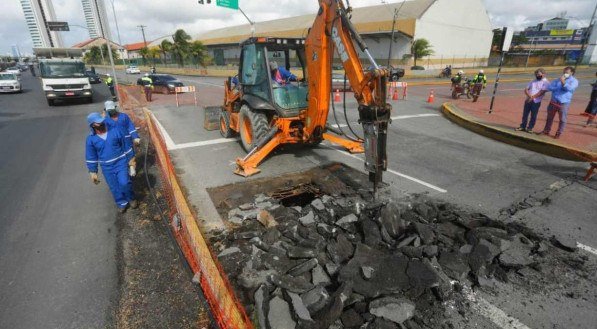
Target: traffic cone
[
  {"x": 337, "y": 96},
  {"x": 431, "y": 97},
  {"x": 395, "y": 94}
]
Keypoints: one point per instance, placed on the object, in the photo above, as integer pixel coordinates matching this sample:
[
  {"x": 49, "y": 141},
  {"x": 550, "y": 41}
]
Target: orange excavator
[{"x": 267, "y": 112}]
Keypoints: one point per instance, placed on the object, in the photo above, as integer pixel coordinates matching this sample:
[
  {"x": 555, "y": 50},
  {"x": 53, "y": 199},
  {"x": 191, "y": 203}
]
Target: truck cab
[{"x": 63, "y": 79}]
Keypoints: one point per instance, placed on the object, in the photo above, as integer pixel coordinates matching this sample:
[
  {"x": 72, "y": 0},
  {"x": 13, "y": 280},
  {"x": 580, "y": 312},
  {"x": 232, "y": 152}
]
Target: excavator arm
[{"x": 333, "y": 30}]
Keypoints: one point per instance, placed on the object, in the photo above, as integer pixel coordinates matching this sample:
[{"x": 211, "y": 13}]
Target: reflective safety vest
[
  {"x": 149, "y": 82},
  {"x": 480, "y": 78},
  {"x": 109, "y": 81}
]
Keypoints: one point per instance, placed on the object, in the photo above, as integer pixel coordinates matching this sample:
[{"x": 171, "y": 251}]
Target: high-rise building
[
  {"x": 96, "y": 18},
  {"x": 37, "y": 14},
  {"x": 16, "y": 52}
]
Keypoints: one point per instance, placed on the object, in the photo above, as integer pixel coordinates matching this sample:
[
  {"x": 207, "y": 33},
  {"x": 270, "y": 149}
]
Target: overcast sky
[{"x": 164, "y": 17}]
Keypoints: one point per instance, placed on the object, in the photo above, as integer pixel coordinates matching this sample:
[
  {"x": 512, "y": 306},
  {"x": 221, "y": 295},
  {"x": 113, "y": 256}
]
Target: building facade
[
  {"x": 37, "y": 14},
  {"x": 96, "y": 19},
  {"x": 556, "y": 23},
  {"x": 455, "y": 41}
]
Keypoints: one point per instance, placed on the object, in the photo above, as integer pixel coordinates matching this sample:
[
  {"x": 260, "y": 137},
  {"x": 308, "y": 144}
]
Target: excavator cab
[{"x": 259, "y": 88}]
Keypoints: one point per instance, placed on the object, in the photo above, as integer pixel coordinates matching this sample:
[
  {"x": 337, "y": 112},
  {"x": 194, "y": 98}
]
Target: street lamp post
[{"x": 118, "y": 33}]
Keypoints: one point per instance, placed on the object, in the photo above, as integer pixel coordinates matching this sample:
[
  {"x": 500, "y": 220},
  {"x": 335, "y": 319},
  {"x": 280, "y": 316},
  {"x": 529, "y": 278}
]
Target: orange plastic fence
[{"x": 227, "y": 310}]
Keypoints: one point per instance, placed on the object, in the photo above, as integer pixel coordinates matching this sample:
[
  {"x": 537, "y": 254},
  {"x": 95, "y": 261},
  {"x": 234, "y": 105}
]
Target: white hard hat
[
  {"x": 109, "y": 105},
  {"x": 146, "y": 74},
  {"x": 461, "y": 72},
  {"x": 107, "y": 74},
  {"x": 481, "y": 71}
]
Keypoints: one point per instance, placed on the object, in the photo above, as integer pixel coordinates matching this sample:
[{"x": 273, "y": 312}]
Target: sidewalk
[{"x": 577, "y": 143}]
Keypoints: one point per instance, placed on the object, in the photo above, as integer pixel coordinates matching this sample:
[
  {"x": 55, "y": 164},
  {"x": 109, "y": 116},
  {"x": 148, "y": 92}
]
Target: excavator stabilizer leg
[
  {"x": 247, "y": 166},
  {"x": 351, "y": 146}
]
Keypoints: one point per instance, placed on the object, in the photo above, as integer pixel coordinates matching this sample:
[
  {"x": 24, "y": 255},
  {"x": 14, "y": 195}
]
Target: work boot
[
  {"x": 134, "y": 204},
  {"x": 122, "y": 210},
  {"x": 557, "y": 135},
  {"x": 519, "y": 129}
]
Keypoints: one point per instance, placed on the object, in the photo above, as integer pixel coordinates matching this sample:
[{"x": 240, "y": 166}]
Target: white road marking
[
  {"x": 492, "y": 312},
  {"x": 410, "y": 116},
  {"x": 169, "y": 142},
  {"x": 399, "y": 117},
  {"x": 203, "y": 143},
  {"x": 586, "y": 248},
  {"x": 203, "y": 83},
  {"x": 399, "y": 174}
]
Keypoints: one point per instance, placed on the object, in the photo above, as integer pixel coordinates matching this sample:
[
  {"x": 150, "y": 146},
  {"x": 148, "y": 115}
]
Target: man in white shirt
[{"x": 534, "y": 95}]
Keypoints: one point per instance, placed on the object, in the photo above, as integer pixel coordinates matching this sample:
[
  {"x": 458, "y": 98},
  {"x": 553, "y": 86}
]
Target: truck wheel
[
  {"x": 225, "y": 129},
  {"x": 253, "y": 126},
  {"x": 50, "y": 102}
]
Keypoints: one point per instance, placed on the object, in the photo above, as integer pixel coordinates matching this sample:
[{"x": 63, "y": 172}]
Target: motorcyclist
[
  {"x": 153, "y": 70},
  {"x": 447, "y": 71},
  {"x": 480, "y": 78},
  {"x": 457, "y": 79}
]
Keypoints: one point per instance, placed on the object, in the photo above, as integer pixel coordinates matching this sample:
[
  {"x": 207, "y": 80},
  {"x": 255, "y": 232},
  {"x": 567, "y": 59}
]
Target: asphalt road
[{"x": 58, "y": 231}]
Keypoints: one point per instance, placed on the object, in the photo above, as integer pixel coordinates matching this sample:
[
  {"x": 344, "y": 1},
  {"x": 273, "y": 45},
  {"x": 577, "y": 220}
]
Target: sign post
[
  {"x": 507, "y": 34},
  {"x": 58, "y": 26}
]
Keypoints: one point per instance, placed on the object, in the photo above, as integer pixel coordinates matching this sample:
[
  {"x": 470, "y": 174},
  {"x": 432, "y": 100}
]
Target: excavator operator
[{"x": 280, "y": 75}]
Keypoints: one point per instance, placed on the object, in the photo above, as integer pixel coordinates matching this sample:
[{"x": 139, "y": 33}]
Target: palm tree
[
  {"x": 421, "y": 48},
  {"x": 180, "y": 47},
  {"x": 153, "y": 53},
  {"x": 144, "y": 52},
  {"x": 198, "y": 51},
  {"x": 165, "y": 47}
]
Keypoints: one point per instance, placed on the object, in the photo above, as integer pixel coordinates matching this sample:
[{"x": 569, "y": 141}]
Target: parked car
[
  {"x": 163, "y": 83},
  {"x": 132, "y": 70},
  {"x": 9, "y": 83},
  {"x": 14, "y": 70},
  {"x": 93, "y": 77}
]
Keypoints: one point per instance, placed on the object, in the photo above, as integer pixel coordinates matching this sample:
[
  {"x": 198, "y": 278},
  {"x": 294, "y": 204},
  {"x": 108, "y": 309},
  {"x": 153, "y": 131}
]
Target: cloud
[{"x": 164, "y": 17}]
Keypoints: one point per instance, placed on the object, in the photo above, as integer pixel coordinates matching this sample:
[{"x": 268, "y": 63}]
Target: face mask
[
  {"x": 566, "y": 75},
  {"x": 539, "y": 77},
  {"x": 112, "y": 112}
]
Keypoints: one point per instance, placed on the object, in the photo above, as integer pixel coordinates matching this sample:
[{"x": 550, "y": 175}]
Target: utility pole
[
  {"x": 119, "y": 40},
  {"x": 142, "y": 27},
  {"x": 396, "y": 11},
  {"x": 584, "y": 43},
  {"x": 250, "y": 22}
]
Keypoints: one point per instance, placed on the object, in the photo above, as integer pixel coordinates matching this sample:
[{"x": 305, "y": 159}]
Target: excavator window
[
  {"x": 291, "y": 94},
  {"x": 254, "y": 75}
]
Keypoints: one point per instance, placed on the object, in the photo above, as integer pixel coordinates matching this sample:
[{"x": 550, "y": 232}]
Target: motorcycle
[
  {"x": 459, "y": 89},
  {"x": 445, "y": 73}
]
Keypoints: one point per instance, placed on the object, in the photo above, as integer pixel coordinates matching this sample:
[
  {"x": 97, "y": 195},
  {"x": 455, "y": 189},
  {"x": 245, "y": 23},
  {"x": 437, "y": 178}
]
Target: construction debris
[{"x": 344, "y": 261}]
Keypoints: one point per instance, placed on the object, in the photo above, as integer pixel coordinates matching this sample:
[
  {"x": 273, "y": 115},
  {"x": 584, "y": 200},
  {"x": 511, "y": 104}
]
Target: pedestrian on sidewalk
[
  {"x": 106, "y": 147},
  {"x": 534, "y": 95},
  {"x": 562, "y": 90},
  {"x": 121, "y": 121},
  {"x": 147, "y": 86},
  {"x": 110, "y": 83},
  {"x": 592, "y": 100}
]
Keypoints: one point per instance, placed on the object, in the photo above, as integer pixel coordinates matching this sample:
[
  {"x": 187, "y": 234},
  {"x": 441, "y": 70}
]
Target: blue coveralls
[
  {"x": 113, "y": 156},
  {"x": 126, "y": 127}
]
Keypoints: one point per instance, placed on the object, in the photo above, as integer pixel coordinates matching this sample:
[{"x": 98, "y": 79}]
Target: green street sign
[{"x": 232, "y": 4}]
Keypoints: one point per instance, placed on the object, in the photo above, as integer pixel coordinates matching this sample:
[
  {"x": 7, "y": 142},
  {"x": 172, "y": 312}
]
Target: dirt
[{"x": 155, "y": 287}]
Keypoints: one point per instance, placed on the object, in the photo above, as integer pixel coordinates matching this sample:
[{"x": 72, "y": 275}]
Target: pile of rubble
[{"x": 340, "y": 262}]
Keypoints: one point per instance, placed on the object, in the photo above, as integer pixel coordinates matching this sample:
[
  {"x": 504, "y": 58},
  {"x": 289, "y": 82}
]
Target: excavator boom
[{"x": 333, "y": 30}]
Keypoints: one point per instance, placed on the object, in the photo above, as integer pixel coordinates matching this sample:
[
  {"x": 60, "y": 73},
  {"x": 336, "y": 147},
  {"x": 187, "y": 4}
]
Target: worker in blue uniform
[
  {"x": 121, "y": 121},
  {"x": 107, "y": 147}
]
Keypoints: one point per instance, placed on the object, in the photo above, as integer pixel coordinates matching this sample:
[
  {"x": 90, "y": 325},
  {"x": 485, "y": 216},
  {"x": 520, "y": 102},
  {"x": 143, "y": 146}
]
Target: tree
[
  {"x": 165, "y": 47},
  {"x": 199, "y": 52},
  {"x": 93, "y": 55},
  {"x": 114, "y": 52},
  {"x": 421, "y": 48},
  {"x": 180, "y": 46},
  {"x": 153, "y": 53},
  {"x": 144, "y": 52}
]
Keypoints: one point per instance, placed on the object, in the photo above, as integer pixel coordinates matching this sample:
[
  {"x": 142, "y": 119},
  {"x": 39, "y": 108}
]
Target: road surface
[{"x": 58, "y": 232}]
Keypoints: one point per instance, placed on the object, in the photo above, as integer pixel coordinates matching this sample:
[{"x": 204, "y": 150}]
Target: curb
[{"x": 532, "y": 143}]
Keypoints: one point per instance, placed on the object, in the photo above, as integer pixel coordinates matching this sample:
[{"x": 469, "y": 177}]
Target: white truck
[{"x": 63, "y": 79}]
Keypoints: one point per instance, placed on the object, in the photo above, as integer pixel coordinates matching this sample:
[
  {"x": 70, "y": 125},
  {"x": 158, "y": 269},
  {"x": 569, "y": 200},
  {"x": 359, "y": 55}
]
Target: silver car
[{"x": 9, "y": 83}]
